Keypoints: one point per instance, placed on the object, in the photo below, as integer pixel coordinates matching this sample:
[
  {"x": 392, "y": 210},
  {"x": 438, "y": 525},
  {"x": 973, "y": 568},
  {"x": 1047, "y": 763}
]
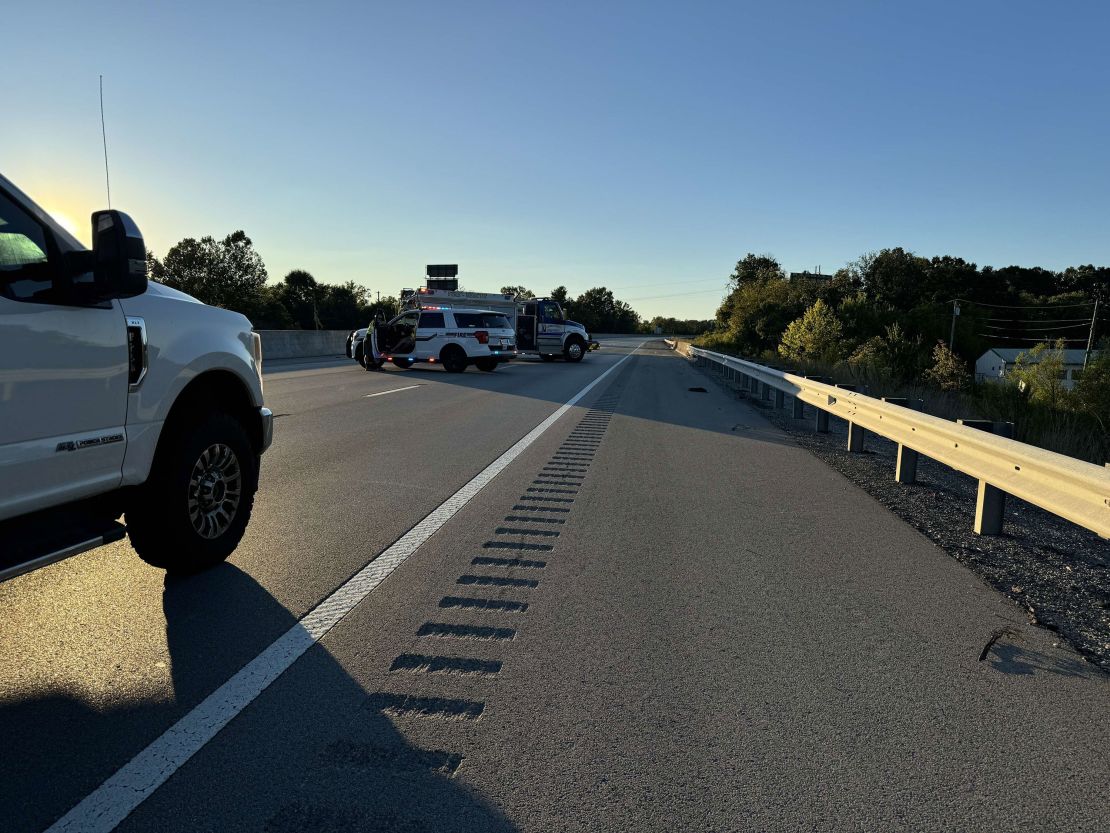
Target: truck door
[
  {"x": 526, "y": 327},
  {"x": 63, "y": 376},
  {"x": 549, "y": 327}
]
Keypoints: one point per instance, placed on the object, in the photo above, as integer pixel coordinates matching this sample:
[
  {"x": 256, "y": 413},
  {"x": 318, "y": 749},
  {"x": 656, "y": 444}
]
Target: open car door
[{"x": 396, "y": 337}]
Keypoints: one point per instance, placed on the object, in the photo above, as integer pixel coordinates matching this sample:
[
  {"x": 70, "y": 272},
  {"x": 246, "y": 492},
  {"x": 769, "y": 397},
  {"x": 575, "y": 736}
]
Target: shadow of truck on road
[{"x": 313, "y": 752}]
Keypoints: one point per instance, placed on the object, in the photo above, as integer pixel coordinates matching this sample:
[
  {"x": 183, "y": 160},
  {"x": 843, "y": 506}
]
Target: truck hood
[
  {"x": 159, "y": 290},
  {"x": 165, "y": 303}
]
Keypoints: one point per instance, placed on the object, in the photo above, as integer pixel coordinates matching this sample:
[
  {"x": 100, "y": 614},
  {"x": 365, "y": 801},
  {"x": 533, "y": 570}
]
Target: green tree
[
  {"x": 946, "y": 278},
  {"x": 753, "y": 270},
  {"x": 1092, "y": 390},
  {"x": 301, "y": 295},
  {"x": 387, "y": 306},
  {"x": 271, "y": 313},
  {"x": 761, "y": 312},
  {"x": 340, "y": 305},
  {"x": 1091, "y": 281},
  {"x": 893, "y": 277},
  {"x": 228, "y": 273},
  {"x": 521, "y": 292},
  {"x": 599, "y": 312},
  {"x": 894, "y": 352},
  {"x": 948, "y": 371},
  {"x": 1040, "y": 374},
  {"x": 675, "y": 326},
  {"x": 559, "y": 294},
  {"x": 816, "y": 336}
]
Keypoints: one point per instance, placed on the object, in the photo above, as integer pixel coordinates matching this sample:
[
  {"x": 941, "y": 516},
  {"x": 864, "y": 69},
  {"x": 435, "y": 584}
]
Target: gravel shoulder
[{"x": 1057, "y": 571}]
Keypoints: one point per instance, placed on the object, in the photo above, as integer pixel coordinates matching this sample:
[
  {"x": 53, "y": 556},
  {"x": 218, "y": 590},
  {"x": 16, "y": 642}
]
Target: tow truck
[{"x": 541, "y": 326}]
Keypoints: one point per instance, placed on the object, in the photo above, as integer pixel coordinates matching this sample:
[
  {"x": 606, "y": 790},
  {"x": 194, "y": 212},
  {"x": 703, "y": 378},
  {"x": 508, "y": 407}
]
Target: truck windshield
[{"x": 482, "y": 320}]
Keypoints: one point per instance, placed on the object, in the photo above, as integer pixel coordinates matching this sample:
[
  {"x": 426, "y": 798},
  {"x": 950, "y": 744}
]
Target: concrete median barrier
[{"x": 299, "y": 344}]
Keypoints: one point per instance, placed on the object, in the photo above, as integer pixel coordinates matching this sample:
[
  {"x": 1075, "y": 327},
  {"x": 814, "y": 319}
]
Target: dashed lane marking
[{"x": 395, "y": 390}]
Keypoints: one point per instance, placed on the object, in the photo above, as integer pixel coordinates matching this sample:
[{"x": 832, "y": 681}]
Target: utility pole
[
  {"x": 1091, "y": 336},
  {"x": 952, "y": 337}
]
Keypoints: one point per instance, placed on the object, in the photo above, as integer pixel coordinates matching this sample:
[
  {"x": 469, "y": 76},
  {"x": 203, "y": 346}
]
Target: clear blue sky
[{"x": 642, "y": 146}]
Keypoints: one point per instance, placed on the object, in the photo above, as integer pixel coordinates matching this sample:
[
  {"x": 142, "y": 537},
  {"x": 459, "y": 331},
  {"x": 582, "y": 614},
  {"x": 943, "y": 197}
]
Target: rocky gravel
[{"x": 1058, "y": 572}]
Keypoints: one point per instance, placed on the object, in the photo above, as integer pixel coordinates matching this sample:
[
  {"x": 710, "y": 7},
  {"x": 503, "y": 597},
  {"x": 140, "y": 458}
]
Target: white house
[{"x": 999, "y": 361}]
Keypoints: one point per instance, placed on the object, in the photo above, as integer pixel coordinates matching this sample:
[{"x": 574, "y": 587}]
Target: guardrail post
[
  {"x": 905, "y": 468},
  {"x": 780, "y": 399},
  {"x": 766, "y": 392},
  {"x": 822, "y": 421},
  {"x": 855, "y": 432},
  {"x": 990, "y": 503}
]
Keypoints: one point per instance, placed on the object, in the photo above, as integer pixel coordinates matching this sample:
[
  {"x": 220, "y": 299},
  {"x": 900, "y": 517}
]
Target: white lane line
[
  {"x": 110, "y": 803},
  {"x": 395, "y": 390}
]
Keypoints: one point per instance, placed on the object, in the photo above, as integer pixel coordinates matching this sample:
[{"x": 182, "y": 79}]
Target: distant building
[
  {"x": 997, "y": 362},
  {"x": 808, "y": 276}
]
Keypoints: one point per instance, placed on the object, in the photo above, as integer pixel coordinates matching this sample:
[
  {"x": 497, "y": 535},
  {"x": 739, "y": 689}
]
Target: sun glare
[{"x": 65, "y": 221}]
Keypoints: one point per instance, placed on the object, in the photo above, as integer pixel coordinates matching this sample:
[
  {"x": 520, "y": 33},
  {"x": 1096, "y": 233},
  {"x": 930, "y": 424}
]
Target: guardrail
[{"x": 1073, "y": 489}]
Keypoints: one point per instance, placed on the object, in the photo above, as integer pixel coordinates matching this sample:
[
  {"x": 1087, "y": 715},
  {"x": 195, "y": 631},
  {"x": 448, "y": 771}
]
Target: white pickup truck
[{"x": 118, "y": 397}]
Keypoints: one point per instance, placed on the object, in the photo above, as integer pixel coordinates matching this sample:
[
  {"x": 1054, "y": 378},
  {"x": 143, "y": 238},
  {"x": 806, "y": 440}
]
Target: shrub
[
  {"x": 949, "y": 371},
  {"x": 816, "y": 336},
  {"x": 1039, "y": 374}
]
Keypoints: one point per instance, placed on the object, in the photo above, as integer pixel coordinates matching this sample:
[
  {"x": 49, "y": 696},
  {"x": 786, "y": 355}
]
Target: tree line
[
  {"x": 892, "y": 315},
  {"x": 229, "y": 273}
]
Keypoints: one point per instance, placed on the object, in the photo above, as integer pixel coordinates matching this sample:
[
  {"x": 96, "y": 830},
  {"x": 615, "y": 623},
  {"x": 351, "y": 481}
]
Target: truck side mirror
[{"x": 119, "y": 255}]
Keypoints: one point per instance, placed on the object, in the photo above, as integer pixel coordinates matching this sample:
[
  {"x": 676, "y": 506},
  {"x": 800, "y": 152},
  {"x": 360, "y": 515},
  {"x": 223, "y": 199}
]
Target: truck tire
[
  {"x": 453, "y": 359},
  {"x": 358, "y": 356},
  {"x": 574, "y": 350},
  {"x": 194, "y": 508},
  {"x": 373, "y": 364},
  {"x": 488, "y": 365}
]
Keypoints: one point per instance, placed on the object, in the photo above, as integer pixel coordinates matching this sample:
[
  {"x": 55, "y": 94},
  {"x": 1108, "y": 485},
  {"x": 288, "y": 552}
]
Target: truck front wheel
[
  {"x": 574, "y": 350},
  {"x": 193, "y": 510}
]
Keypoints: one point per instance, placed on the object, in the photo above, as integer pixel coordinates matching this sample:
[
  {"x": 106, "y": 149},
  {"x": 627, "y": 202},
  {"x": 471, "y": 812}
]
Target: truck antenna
[{"x": 104, "y": 138}]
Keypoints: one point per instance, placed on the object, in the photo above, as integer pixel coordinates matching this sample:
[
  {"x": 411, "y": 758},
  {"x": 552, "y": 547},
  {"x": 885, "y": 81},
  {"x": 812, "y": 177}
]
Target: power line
[
  {"x": 672, "y": 295},
  {"x": 1042, "y": 340},
  {"x": 665, "y": 283},
  {"x": 1084, "y": 325},
  {"x": 1024, "y": 306},
  {"x": 1041, "y": 320}
]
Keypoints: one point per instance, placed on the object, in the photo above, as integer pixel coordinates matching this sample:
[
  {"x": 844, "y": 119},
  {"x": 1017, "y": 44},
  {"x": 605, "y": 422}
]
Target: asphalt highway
[{"x": 657, "y": 613}]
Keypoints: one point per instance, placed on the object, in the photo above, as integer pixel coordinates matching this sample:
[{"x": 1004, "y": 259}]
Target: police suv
[{"x": 452, "y": 336}]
